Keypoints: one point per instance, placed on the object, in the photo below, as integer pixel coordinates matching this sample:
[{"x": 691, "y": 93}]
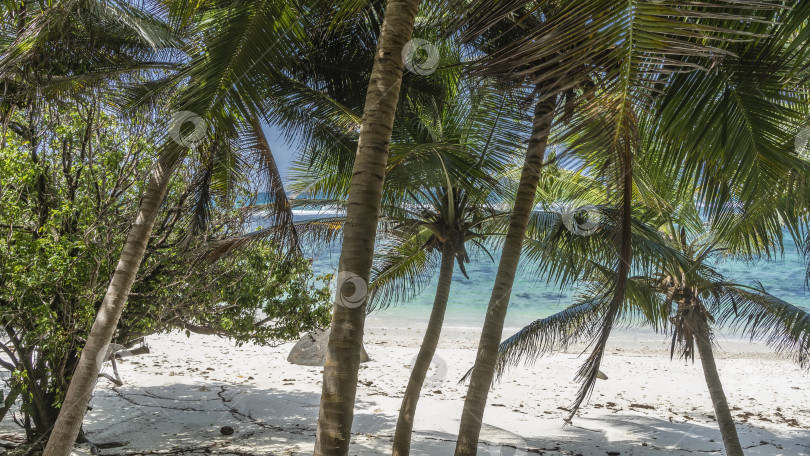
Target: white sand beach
[{"x": 176, "y": 398}]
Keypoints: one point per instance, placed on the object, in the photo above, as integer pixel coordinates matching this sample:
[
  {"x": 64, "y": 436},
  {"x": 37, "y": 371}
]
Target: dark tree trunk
[
  {"x": 724, "y": 419},
  {"x": 402, "y": 436},
  {"x": 484, "y": 368},
  {"x": 365, "y": 195}
]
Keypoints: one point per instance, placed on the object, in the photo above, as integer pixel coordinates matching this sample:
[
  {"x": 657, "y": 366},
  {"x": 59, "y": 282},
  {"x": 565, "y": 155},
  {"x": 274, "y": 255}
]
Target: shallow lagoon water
[{"x": 533, "y": 298}]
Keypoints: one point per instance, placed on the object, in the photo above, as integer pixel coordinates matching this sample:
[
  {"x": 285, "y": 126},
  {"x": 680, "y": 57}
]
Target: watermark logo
[
  {"x": 351, "y": 290},
  {"x": 802, "y": 143},
  {"x": 581, "y": 220},
  {"x": 436, "y": 373},
  {"x": 420, "y": 56},
  {"x": 181, "y": 135}
]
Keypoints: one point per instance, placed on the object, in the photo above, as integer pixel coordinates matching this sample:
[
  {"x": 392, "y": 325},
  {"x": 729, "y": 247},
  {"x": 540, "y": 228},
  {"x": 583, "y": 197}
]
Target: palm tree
[
  {"x": 544, "y": 99},
  {"x": 346, "y": 338},
  {"x": 691, "y": 324},
  {"x": 745, "y": 217},
  {"x": 368, "y": 161},
  {"x": 452, "y": 209},
  {"x": 671, "y": 270},
  {"x": 445, "y": 220},
  {"x": 703, "y": 298},
  {"x": 620, "y": 73}
]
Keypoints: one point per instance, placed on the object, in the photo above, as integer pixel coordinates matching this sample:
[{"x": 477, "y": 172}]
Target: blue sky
[{"x": 283, "y": 151}]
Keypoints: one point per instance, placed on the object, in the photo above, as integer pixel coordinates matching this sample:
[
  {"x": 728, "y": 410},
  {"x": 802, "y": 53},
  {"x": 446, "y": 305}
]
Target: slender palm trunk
[
  {"x": 704, "y": 345},
  {"x": 484, "y": 368},
  {"x": 69, "y": 422},
  {"x": 402, "y": 436},
  {"x": 362, "y": 213}
]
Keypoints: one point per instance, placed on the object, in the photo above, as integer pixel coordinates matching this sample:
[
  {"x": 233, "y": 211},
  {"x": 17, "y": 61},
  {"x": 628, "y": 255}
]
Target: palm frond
[
  {"x": 282, "y": 216},
  {"x": 755, "y": 314},
  {"x": 556, "y": 332},
  {"x": 402, "y": 270}
]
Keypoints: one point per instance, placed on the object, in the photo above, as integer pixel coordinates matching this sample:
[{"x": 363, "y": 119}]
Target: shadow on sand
[{"x": 189, "y": 418}]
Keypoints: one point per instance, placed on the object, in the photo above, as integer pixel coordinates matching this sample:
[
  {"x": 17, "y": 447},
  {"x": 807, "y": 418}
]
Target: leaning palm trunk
[
  {"x": 484, "y": 368},
  {"x": 402, "y": 436},
  {"x": 704, "y": 345},
  {"x": 365, "y": 194},
  {"x": 69, "y": 422}
]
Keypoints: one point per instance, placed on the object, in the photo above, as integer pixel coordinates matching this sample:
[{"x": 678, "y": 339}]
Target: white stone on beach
[
  {"x": 601, "y": 375},
  {"x": 310, "y": 350}
]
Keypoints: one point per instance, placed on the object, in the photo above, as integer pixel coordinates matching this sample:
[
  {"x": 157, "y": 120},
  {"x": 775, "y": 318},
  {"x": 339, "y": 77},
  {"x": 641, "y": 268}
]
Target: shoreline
[{"x": 634, "y": 339}]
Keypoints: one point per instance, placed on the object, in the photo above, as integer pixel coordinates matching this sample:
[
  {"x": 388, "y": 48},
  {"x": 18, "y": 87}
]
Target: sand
[{"x": 176, "y": 399}]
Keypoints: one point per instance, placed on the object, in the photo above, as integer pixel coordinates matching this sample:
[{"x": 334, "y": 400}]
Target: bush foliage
[{"x": 71, "y": 176}]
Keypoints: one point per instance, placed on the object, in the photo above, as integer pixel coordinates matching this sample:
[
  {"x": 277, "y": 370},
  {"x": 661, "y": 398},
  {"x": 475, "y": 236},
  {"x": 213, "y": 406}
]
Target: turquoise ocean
[{"x": 533, "y": 298}]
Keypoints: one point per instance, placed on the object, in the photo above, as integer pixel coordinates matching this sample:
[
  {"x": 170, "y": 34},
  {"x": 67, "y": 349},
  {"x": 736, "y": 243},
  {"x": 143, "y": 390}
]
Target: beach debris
[
  {"x": 642, "y": 406},
  {"x": 109, "y": 355},
  {"x": 310, "y": 350},
  {"x": 119, "y": 352},
  {"x": 226, "y": 430},
  {"x": 110, "y": 445}
]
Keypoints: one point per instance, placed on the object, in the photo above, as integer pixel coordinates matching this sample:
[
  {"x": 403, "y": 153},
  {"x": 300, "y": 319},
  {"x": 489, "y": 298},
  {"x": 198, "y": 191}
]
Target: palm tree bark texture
[
  {"x": 484, "y": 368},
  {"x": 362, "y": 213},
  {"x": 724, "y": 419},
  {"x": 402, "y": 435},
  {"x": 69, "y": 422}
]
